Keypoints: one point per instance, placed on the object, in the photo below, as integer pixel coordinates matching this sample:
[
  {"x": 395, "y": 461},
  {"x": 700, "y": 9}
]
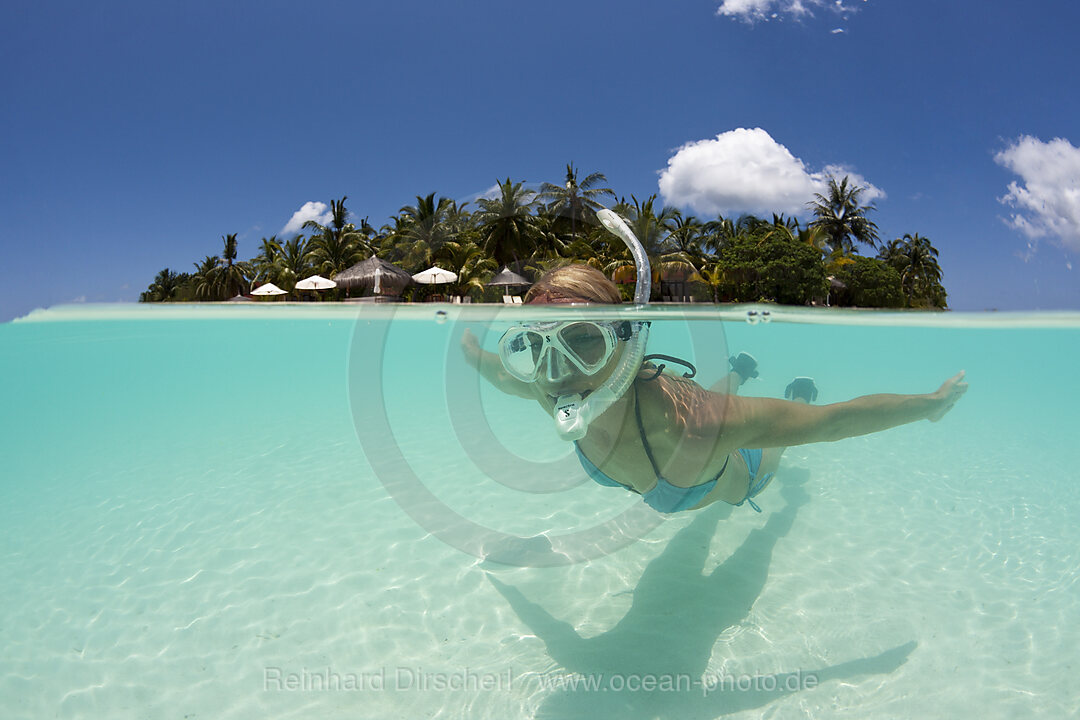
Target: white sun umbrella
[
  {"x": 268, "y": 289},
  {"x": 434, "y": 276},
  {"x": 315, "y": 282},
  {"x": 378, "y": 287}
]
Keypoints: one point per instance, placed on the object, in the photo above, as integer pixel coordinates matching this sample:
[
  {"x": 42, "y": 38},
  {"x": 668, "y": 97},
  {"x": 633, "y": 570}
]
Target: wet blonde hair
[{"x": 575, "y": 283}]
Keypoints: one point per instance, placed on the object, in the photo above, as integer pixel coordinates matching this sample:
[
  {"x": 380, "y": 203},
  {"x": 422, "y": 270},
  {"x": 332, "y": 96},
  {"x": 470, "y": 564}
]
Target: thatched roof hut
[{"x": 362, "y": 275}]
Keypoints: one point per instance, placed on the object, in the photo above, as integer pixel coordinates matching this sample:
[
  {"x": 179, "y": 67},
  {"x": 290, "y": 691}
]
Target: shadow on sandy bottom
[{"x": 677, "y": 614}]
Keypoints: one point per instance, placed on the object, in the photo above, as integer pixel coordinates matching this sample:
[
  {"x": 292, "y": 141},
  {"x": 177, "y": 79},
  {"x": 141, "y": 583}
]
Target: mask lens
[
  {"x": 522, "y": 353},
  {"x": 587, "y": 342}
]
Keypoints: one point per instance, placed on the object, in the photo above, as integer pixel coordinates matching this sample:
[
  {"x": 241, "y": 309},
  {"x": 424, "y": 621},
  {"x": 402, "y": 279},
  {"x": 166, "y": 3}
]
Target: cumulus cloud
[
  {"x": 747, "y": 171},
  {"x": 753, "y": 11},
  {"x": 1047, "y": 200},
  {"x": 317, "y": 211}
]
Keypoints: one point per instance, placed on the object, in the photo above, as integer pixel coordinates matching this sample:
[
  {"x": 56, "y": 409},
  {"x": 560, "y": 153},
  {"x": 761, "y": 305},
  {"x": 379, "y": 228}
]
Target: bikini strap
[{"x": 641, "y": 431}]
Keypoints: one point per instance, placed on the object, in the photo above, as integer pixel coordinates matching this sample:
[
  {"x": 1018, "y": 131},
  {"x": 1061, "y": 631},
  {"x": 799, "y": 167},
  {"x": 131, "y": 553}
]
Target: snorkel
[{"x": 574, "y": 413}]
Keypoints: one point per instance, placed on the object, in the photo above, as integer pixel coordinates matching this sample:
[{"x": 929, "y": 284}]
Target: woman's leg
[
  {"x": 743, "y": 367},
  {"x": 728, "y": 385}
]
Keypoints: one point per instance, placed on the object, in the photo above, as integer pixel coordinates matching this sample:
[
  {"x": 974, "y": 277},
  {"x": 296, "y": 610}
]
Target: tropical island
[{"x": 743, "y": 259}]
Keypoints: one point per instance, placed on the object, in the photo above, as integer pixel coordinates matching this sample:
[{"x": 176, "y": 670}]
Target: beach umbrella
[
  {"x": 378, "y": 281},
  {"x": 239, "y": 298},
  {"x": 507, "y": 278},
  {"x": 435, "y": 275},
  {"x": 268, "y": 289},
  {"x": 315, "y": 282}
]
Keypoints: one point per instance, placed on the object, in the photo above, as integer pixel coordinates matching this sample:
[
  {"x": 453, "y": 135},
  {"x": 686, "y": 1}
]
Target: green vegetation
[
  {"x": 765, "y": 265},
  {"x": 744, "y": 259}
]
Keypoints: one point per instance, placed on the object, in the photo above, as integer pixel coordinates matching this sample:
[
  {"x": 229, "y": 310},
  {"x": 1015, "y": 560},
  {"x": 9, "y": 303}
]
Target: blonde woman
[{"x": 677, "y": 444}]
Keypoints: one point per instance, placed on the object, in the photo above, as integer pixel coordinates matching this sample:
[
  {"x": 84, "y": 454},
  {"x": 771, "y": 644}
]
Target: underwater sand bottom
[{"x": 914, "y": 582}]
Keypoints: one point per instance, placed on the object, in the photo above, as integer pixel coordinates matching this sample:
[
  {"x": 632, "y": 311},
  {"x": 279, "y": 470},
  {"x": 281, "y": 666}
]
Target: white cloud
[
  {"x": 1048, "y": 199},
  {"x": 317, "y": 211},
  {"x": 747, "y": 171},
  {"x": 491, "y": 193},
  {"x": 752, "y": 11}
]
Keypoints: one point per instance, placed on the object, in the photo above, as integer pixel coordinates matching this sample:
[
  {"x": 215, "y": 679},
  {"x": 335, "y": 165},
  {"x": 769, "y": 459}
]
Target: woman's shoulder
[
  {"x": 682, "y": 402},
  {"x": 655, "y": 387}
]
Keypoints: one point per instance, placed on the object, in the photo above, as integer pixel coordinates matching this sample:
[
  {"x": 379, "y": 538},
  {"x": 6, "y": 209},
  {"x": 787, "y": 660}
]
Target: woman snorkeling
[{"x": 639, "y": 426}]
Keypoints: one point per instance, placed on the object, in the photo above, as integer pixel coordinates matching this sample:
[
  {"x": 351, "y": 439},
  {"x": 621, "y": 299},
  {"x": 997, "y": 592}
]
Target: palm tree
[
  {"x": 714, "y": 276},
  {"x": 892, "y": 253},
  {"x": 292, "y": 263},
  {"x": 264, "y": 264},
  {"x": 650, "y": 227},
  {"x": 507, "y": 226},
  {"x": 165, "y": 286},
  {"x": 915, "y": 260},
  {"x": 684, "y": 254},
  {"x": 573, "y": 199},
  {"x": 687, "y": 235},
  {"x": 232, "y": 276},
  {"x": 843, "y": 216},
  {"x": 421, "y": 230},
  {"x": 547, "y": 245},
  {"x": 460, "y": 223},
  {"x": 205, "y": 279},
  {"x": 469, "y": 262},
  {"x": 815, "y": 236},
  {"x": 921, "y": 277},
  {"x": 717, "y": 233},
  {"x": 339, "y": 245}
]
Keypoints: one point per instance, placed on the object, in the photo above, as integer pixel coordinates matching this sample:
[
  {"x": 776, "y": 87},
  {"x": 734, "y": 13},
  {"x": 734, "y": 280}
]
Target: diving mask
[{"x": 527, "y": 350}]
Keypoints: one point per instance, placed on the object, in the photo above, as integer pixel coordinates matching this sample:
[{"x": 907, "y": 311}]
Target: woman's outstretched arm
[
  {"x": 491, "y": 368},
  {"x": 763, "y": 422}
]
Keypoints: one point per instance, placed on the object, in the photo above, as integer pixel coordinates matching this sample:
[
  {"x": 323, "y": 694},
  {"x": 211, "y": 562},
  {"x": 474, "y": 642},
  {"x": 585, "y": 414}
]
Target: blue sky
[{"x": 134, "y": 135}]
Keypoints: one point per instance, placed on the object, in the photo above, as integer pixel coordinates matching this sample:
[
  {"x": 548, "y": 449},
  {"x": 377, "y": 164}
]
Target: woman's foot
[{"x": 801, "y": 389}]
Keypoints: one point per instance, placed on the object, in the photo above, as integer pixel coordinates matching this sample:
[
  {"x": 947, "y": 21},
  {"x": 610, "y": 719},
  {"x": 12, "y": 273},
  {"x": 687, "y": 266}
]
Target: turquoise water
[{"x": 262, "y": 511}]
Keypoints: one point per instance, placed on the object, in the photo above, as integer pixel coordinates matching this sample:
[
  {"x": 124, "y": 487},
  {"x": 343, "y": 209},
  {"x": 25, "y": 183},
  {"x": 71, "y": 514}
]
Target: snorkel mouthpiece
[
  {"x": 568, "y": 419},
  {"x": 574, "y": 413}
]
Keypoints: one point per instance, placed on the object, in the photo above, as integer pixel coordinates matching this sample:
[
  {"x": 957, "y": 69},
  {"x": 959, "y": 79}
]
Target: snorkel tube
[{"x": 573, "y": 413}]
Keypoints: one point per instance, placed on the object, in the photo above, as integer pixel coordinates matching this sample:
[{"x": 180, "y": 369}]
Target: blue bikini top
[{"x": 663, "y": 497}]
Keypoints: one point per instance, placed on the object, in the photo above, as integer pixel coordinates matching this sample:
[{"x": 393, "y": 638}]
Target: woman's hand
[{"x": 947, "y": 395}]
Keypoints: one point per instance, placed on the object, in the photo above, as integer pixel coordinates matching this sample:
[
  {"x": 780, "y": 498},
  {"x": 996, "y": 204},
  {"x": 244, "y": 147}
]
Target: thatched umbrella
[
  {"x": 391, "y": 279},
  {"x": 507, "y": 278}
]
